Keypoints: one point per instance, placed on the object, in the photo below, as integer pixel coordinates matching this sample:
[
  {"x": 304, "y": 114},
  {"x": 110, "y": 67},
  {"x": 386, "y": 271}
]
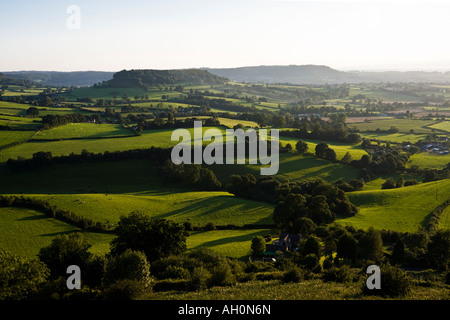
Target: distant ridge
[
  {"x": 149, "y": 77},
  {"x": 61, "y": 78},
  {"x": 319, "y": 74},
  {"x": 294, "y": 74}
]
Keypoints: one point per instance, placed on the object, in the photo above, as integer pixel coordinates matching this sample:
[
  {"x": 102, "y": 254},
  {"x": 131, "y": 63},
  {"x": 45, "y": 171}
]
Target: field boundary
[{"x": 435, "y": 216}]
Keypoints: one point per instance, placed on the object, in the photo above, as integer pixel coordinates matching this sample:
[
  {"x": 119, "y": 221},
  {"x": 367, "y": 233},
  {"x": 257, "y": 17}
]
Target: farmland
[
  {"x": 397, "y": 209},
  {"x": 104, "y": 190}
]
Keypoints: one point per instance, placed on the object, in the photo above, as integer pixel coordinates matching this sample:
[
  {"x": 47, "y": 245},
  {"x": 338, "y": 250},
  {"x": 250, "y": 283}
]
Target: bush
[
  {"x": 170, "y": 285},
  {"x": 222, "y": 276},
  {"x": 310, "y": 261},
  {"x": 295, "y": 274},
  {"x": 394, "y": 283},
  {"x": 132, "y": 265},
  {"x": 388, "y": 184},
  {"x": 199, "y": 279},
  {"x": 341, "y": 274},
  {"x": 125, "y": 289},
  {"x": 327, "y": 263},
  {"x": 174, "y": 272},
  {"x": 270, "y": 275},
  {"x": 210, "y": 226}
]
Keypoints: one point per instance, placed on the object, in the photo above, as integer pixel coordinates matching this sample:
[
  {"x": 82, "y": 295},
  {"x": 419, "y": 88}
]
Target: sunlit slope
[{"x": 403, "y": 209}]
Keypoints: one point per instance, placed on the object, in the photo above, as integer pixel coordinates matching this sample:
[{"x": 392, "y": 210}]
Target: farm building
[{"x": 286, "y": 242}]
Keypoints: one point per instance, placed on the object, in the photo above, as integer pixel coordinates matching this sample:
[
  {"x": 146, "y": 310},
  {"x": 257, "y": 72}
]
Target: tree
[
  {"x": 398, "y": 254},
  {"x": 258, "y": 245},
  {"x": 132, "y": 265},
  {"x": 399, "y": 182},
  {"x": 439, "y": 249},
  {"x": 304, "y": 226},
  {"x": 312, "y": 246},
  {"x": 347, "y": 158},
  {"x": 33, "y": 111},
  {"x": 301, "y": 146},
  {"x": 288, "y": 211},
  {"x": 319, "y": 210},
  {"x": 330, "y": 155},
  {"x": 320, "y": 149},
  {"x": 347, "y": 246},
  {"x": 388, "y": 184},
  {"x": 20, "y": 278},
  {"x": 371, "y": 245},
  {"x": 157, "y": 238},
  {"x": 66, "y": 250}
]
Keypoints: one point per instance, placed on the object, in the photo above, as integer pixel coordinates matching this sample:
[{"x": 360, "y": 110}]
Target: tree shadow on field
[
  {"x": 222, "y": 241},
  {"x": 211, "y": 206},
  {"x": 34, "y": 217},
  {"x": 54, "y": 234}
]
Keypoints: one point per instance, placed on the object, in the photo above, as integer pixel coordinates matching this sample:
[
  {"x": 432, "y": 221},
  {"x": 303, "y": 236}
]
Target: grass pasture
[
  {"x": 394, "y": 137},
  {"x": 11, "y": 137},
  {"x": 25, "y": 231},
  {"x": 156, "y": 138},
  {"x": 231, "y": 243},
  {"x": 200, "y": 208},
  {"x": 404, "y": 125},
  {"x": 83, "y": 130},
  {"x": 443, "y": 126},
  {"x": 341, "y": 149},
  {"x": 402, "y": 209},
  {"x": 429, "y": 160}
]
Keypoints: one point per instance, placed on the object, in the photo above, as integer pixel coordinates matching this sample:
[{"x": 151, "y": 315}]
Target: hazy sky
[{"x": 116, "y": 35}]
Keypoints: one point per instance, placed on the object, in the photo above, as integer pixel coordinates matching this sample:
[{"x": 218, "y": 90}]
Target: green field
[
  {"x": 25, "y": 231},
  {"x": 156, "y": 138},
  {"x": 404, "y": 125},
  {"x": 83, "y": 130},
  {"x": 11, "y": 137},
  {"x": 231, "y": 243},
  {"x": 381, "y": 94},
  {"x": 429, "y": 160},
  {"x": 394, "y": 137},
  {"x": 444, "y": 126},
  {"x": 402, "y": 209},
  {"x": 221, "y": 208},
  {"x": 340, "y": 148}
]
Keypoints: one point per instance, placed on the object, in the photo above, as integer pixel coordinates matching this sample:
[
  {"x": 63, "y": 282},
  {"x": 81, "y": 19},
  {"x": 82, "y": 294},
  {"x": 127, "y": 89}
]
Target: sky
[{"x": 109, "y": 35}]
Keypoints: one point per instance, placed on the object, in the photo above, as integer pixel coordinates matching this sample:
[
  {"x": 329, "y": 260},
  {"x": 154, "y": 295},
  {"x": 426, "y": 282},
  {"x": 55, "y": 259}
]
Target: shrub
[
  {"x": 132, "y": 265},
  {"x": 66, "y": 250},
  {"x": 199, "y": 279},
  {"x": 170, "y": 285},
  {"x": 210, "y": 226},
  {"x": 174, "y": 272},
  {"x": 270, "y": 275},
  {"x": 125, "y": 289},
  {"x": 221, "y": 276},
  {"x": 394, "y": 283},
  {"x": 327, "y": 263},
  {"x": 258, "y": 245},
  {"x": 341, "y": 274},
  {"x": 310, "y": 261},
  {"x": 388, "y": 184},
  {"x": 294, "y": 274}
]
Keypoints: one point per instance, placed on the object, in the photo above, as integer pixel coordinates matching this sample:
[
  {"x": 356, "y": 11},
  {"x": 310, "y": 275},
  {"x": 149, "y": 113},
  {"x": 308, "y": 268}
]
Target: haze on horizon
[{"x": 178, "y": 34}]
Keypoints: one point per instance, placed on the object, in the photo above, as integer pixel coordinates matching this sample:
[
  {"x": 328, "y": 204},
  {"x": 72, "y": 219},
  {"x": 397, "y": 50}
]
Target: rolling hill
[{"x": 317, "y": 74}]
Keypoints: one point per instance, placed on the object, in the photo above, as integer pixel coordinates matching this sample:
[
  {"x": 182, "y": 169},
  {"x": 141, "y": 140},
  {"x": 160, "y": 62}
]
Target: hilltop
[
  {"x": 319, "y": 74},
  {"x": 149, "y": 77},
  {"x": 57, "y": 78}
]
